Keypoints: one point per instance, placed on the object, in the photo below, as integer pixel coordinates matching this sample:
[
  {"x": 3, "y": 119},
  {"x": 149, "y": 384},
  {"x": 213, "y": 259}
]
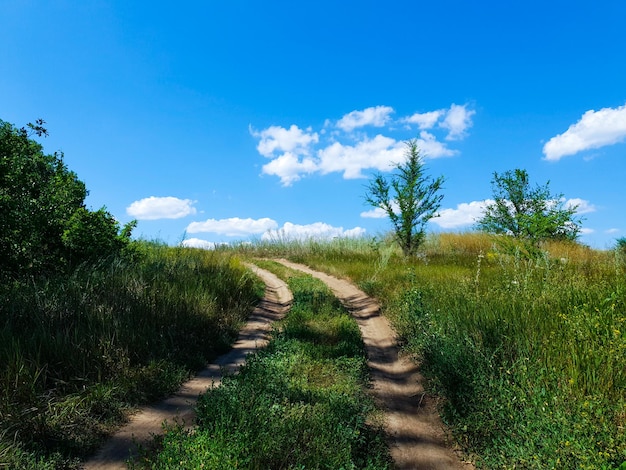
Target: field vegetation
[
  {"x": 77, "y": 351},
  {"x": 299, "y": 403},
  {"x": 528, "y": 353}
]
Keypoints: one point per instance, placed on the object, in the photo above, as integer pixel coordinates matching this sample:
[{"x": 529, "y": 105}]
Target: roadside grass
[
  {"x": 299, "y": 403},
  {"x": 77, "y": 352},
  {"x": 528, "y": 354}
]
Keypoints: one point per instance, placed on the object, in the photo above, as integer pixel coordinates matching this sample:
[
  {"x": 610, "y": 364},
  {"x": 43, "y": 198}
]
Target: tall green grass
[
  {"x": 528, "y": 354},
  {"x": 300, "y": 403},
  {"x": 77, "y": 351}
]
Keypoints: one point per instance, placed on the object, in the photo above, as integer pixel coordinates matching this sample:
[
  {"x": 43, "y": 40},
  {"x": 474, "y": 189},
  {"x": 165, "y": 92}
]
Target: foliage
[
  {"x": 79, "y": 349},
  {"x": 305, "y": 403},
  {"x": 38, "y": 194},
  {"x": 43, "y": 219},
  {"x": 529, "y": 214},
  {"x": 413, "y": 201},
  {"x": 91, "y": 235}
]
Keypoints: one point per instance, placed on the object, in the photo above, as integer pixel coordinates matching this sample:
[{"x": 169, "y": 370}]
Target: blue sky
[{"x": 237, "y": 120}]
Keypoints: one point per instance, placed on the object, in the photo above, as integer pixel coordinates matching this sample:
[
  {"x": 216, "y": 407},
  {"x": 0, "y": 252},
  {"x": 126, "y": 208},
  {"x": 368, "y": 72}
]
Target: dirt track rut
[
  {"x": 415, "y": 432},
  {"x": 180, "y": 407}
]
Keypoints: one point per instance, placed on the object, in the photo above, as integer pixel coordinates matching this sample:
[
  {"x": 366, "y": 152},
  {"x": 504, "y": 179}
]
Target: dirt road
[{"x": 415, "y": 431}]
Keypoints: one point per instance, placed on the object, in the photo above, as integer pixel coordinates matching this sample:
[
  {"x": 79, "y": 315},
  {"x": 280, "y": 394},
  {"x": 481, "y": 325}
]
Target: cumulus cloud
[
  {"x": 316, "y": 231},
  {"x": 595, "y": 129},
  {"x": 154, "y": 208},
  {"x": 377, "y": 213},
  {"x": 278, "y": 139},
  {"x": 378, "y": 153},
  {"x": 457, "y": 120},
  {"x": 290, "y": 168},
  {"x": 430, "y": 147},
  {"x": 425, "y": 120},
  {"x": 376, "y": 116},
  {"x": 233, "y": 227},
  {"x": 296, "y": 153},
  {"x": 583, "y": 206},
  {"x": 198, "y": 243},
  {"x": 466, "y": 213}
]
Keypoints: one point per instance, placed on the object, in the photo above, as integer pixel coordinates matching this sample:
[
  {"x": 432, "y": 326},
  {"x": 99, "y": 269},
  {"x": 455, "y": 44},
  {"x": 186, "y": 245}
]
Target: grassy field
[
  {"x": 529, "y": 354},
  {"x": 300, "y": 403},
  {"x": 77, "y": 352}
]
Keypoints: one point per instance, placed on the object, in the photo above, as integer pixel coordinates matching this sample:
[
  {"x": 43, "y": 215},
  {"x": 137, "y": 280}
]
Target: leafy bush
[
  {"x": 93, "y": 235},
  {"x": 43, "y": 219}
]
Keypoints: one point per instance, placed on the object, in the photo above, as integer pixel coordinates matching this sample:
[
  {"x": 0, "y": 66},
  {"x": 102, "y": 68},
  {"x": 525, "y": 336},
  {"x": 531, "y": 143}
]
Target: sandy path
[
  {"x": 416, "y": 436},
  {"x": 180, "y": 407}
]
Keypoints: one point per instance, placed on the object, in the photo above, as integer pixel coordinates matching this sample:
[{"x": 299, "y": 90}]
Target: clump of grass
[
  {"x": 77, "y": 351},
  {"x": 458, "y": 245},
  {"x": 300, "y": 403}
]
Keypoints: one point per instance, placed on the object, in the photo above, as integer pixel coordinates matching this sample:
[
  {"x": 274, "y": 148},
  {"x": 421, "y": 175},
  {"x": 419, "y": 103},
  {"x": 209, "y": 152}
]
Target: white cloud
[
  {"x": 584, "y": 206},
  {"x": 276, "y": 138},
  {"x": 296, "y": 153},
  {"x": 612, "y": 231},
  {"x": 198, "y": 243},
  {"x": 465, "y": 214},
  {"x": 233, "y": 227},
  {"x": 458, "y": 119},
  {"x": 425, "y": 120},
  {"x": 587, "y": 231},
  {"x": 376, "y": 116},
  {"x": 153, "y": 208},
  {"x": 430, "y": 147},
  {"x": 378, "y": 213},
  {"x": 595, "y": 129},
  {"x": 290, "y": 168},
  {"x": 379, "y": 153},
  {"x": 317, "y": 231}
]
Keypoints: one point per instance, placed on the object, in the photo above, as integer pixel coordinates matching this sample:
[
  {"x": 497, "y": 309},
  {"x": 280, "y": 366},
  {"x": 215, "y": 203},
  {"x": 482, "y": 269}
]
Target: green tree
[
  {"x": 409, "y": 198},
  {"x": 526, "y": 213},
  {"x": 91, "y": 235},
  {"x": 39, "y": 196}
]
